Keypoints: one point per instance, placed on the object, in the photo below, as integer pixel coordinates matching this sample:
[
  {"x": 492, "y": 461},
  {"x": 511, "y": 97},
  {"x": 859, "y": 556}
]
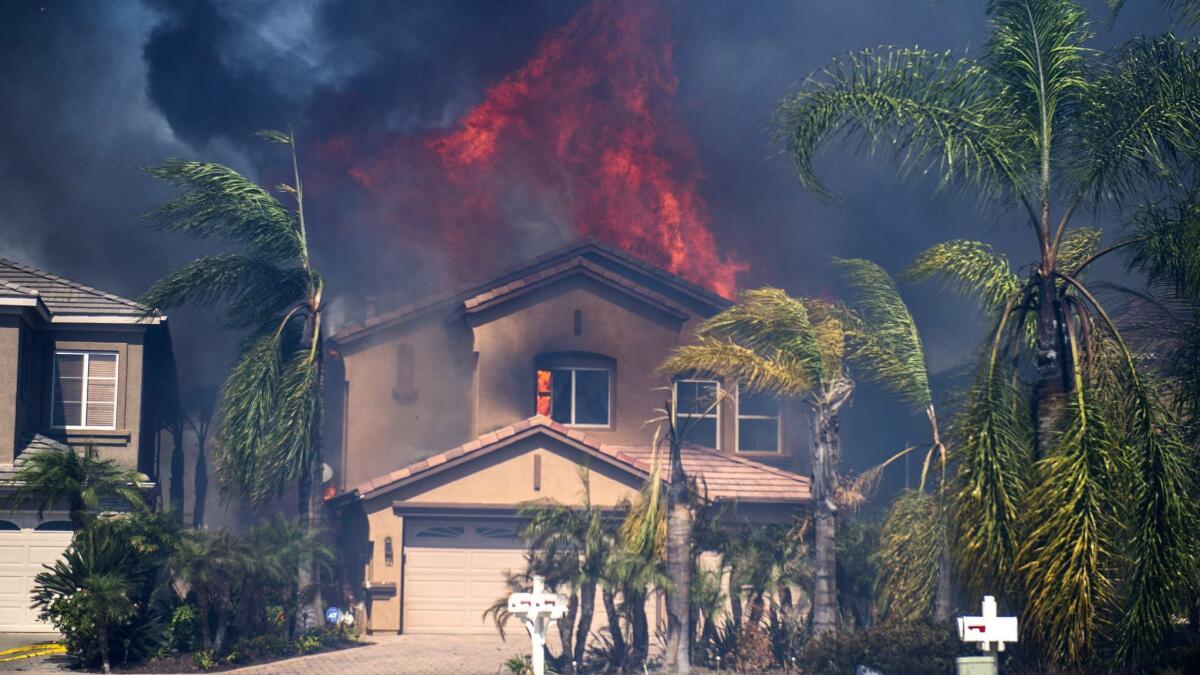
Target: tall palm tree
[
  {"x": 1053, "y": 128},
  {"x": 198, "y": 407},
  {"x": 81, "y": 480},
  {"x": 774, "y": 343},
  {"x": 209, "y": 565},
  {"x": 886, "y": 344},
  {"x": 271, "y": 406}
]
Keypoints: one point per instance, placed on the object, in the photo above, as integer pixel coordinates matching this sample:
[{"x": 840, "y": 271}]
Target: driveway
[{"x": 416, "y": 654}]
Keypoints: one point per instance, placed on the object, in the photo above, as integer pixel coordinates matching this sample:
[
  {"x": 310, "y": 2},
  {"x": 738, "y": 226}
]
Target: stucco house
[
  {"x": 78, "y": 367},
  {"x": 457, "y": 410}
]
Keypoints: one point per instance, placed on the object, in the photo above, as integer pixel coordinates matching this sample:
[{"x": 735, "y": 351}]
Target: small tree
[
  {"x": 80, "y": 480},
  {"x": 104, "y": 597}
]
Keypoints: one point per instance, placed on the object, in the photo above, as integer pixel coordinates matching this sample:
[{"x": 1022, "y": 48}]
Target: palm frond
[
  {"x": 933, "y": 112},
  {"x": 1078, "y": 244},
  {"x": 910, "y": 546},
  {"x": 210, "y": 279},
  {"x": 1139, "y": 129},
  {"x": 968, "y": 267},
  {"x": 992, "y": 458},
  {"x": 1168, "y": 247},
  {"x": 248, "y": 406},
  {"x": 886, "y": 341},
  {"x": 1065, "y": 560},
  {"x": 777, "y": 373},
  {"x": 217, "y": 202},
  {"x": 290, "y": 442},
  {"x": 1036, "y": 50}
]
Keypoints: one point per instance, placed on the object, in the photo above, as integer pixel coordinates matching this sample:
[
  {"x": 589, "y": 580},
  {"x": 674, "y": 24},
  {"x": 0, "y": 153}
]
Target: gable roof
[
  {"x": 724, "y": 478},
  {"x": 588, "y": 249},
  {"x": 575, "y": 266},
  {"x": 65, "y": 300}
]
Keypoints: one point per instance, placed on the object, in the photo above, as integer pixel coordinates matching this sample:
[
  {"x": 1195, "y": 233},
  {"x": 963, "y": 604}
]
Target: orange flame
[{"x": 582, "y": 136}]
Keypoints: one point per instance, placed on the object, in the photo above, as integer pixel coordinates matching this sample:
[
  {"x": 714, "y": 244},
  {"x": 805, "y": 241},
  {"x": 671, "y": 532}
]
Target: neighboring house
[
  {"x": 78, "y": 367},
  {"x": 457, "y": 410}
]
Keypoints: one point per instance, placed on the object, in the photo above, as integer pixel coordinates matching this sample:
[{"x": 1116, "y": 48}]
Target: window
[
  {"x": 84, "y": 390},
  {"x": 576, "y": 396},
  {"x": 758, "y": 423},
  {"x": 9, "y": 526},
  {"x": 55, "y": 526},
  {"x": 697, "y": 415}
]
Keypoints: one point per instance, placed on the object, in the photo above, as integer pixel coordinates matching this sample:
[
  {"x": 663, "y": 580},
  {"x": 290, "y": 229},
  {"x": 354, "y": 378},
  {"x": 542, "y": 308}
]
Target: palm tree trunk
[
  {"x": 219, "y": 639},
  {"x": 941, "y": 605},
  {"x": 587, "y": 609},
  {"x": 614, "y": 630},
  {"x": 312, "y": 504},
  {"x": 202, "y": 619},
  {"x": 566, "y": 630},
  {"x": 826, "y": 452},
  {"x": 1052, "y": 381},
  {"x": 177, "y": 470},
  {"x": 635, "y": 604},
  {"x": 679, "y": 565},
  {"x": 201, "y": 484},
  {"x": 102, "y": 637}
]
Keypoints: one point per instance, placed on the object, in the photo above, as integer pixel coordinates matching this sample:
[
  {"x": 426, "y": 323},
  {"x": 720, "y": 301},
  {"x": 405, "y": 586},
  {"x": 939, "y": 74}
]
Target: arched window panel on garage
[
  {"x": 9, "y": 526},
  {"x": 55, "y": 526}
]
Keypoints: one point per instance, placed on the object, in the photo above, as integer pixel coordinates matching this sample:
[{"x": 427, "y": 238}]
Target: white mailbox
[
  {"x": 988, "y": 628},
  {"x": 537, "y": 610}
]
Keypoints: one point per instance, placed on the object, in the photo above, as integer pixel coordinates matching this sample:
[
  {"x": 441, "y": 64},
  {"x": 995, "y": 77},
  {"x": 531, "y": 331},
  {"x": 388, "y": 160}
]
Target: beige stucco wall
[
  {"x": 386, "y": 431},
  {"x": 10, "y": 328},
  {"x": 384, "y": 607}
]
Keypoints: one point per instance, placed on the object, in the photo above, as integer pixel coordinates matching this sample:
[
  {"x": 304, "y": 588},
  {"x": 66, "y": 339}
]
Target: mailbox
[
  {"x": 536, "y": 610},
  {"x": 988, "y": 628}
]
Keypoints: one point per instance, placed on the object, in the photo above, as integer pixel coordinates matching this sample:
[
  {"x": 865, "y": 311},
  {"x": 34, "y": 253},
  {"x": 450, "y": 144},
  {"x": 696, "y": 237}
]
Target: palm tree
[
  {"x": 886, "y": 344},
  {"x": 209, "y": 565},
  {"x": 271, "y": 405},
  {"x": 579, "y": 540},
  {"x": 1055, "y": 129},
  {"x": 636, "y": 562},
  {"x": 105, "y": 598},
  {"x": 81, "y": 480},
  {"x": 771, "y": 342},
  {"x": 198, "y": 408}
]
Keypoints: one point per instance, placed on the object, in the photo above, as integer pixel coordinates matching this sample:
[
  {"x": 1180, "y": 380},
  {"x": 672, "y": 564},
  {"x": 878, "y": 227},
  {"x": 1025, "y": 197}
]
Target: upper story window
[
  {"x": 697, "y": 415},
  {"x": 575, "y": 396},
  {"x": 758, "y": 422},
  {"x": 84, "y": 390}
]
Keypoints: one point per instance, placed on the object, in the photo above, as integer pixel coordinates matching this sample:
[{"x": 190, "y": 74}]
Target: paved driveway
[{"x": 416, "y": 654}]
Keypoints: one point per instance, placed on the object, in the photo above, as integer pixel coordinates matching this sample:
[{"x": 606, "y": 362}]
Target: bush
[
  {"x": 204, "y": 660},
  {"x": 106, "y": 548},
  {"x": 754, "y": 653},
  {"x": 183, "y": 629},
  {"x": 893, "y": 648}
]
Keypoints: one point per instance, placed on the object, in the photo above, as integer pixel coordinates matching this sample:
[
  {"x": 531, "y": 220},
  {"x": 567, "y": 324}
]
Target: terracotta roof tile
[{"x": 726, "y": 477}]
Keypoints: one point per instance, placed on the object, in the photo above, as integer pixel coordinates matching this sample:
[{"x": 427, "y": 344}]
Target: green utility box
[{"x": 976, "y": 665}]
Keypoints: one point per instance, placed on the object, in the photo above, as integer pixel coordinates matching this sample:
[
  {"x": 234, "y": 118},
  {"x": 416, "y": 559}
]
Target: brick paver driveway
[{"x": 417, "y": 654}]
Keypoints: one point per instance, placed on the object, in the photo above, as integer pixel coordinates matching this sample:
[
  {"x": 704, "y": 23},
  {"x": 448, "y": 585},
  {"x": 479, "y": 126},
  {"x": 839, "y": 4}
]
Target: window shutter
[
  {"x": 68, "y": 390},
  {"x": 101, "y": 390}
]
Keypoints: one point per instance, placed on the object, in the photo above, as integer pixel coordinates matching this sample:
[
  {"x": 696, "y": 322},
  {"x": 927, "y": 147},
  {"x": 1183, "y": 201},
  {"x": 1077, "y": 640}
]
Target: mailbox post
[
  {"x": 537, "y": 610},
  {"x": 987, "y": 629}
]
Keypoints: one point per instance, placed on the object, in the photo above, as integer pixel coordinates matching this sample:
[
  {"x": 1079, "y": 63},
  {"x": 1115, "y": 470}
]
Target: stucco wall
[{"x": 9, "y": 360}]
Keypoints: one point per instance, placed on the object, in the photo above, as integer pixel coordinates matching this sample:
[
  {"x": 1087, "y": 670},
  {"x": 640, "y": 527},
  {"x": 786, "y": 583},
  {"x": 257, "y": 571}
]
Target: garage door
[
  {"x": 454, "y": 570},
  {"x": 23, "y": 553}
]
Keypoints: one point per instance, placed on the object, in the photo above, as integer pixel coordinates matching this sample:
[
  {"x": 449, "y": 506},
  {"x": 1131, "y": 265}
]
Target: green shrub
[
  {"x": 183, "y": 629},
  {"x": 204, "y": 660},
  {"x": 893, "y": 648},
  {"x": 106, "y": 548}
]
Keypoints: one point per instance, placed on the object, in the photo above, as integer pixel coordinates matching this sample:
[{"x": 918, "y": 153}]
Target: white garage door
[
  {"x": 454, "y": 570},
  {"x": 23, "y": 553}
]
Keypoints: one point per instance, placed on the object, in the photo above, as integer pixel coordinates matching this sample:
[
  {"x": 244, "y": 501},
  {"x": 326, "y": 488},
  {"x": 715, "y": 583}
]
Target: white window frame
[
  {"x": 608, "y": 403},
  {"x": 83, "y": 403},
  {"x": 737, "y": 436},
  {"x": 715, "y": 414}
]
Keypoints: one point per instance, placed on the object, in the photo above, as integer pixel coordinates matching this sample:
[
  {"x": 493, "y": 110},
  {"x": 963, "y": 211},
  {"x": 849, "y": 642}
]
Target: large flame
[{"x": 581, "y": 140}]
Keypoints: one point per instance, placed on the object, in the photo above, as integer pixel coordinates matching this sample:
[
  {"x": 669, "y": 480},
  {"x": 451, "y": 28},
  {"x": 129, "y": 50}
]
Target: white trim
[
  {"x": 101, "y": 318},
  {"x": 83, "y": 395},
  {"x": 737, "y": 432},
  {"x": 715, "y": 414}
]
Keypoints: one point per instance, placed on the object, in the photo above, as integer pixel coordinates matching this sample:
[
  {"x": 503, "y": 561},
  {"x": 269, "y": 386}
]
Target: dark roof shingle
[{"x": 63, "y": 296}]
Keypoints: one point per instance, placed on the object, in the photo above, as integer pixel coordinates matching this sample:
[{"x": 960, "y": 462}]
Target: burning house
[{"x": 460, "y": 409}]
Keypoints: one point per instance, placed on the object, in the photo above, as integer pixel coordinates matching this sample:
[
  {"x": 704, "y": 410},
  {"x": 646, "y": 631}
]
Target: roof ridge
[{"x": 29, "y": 269}]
